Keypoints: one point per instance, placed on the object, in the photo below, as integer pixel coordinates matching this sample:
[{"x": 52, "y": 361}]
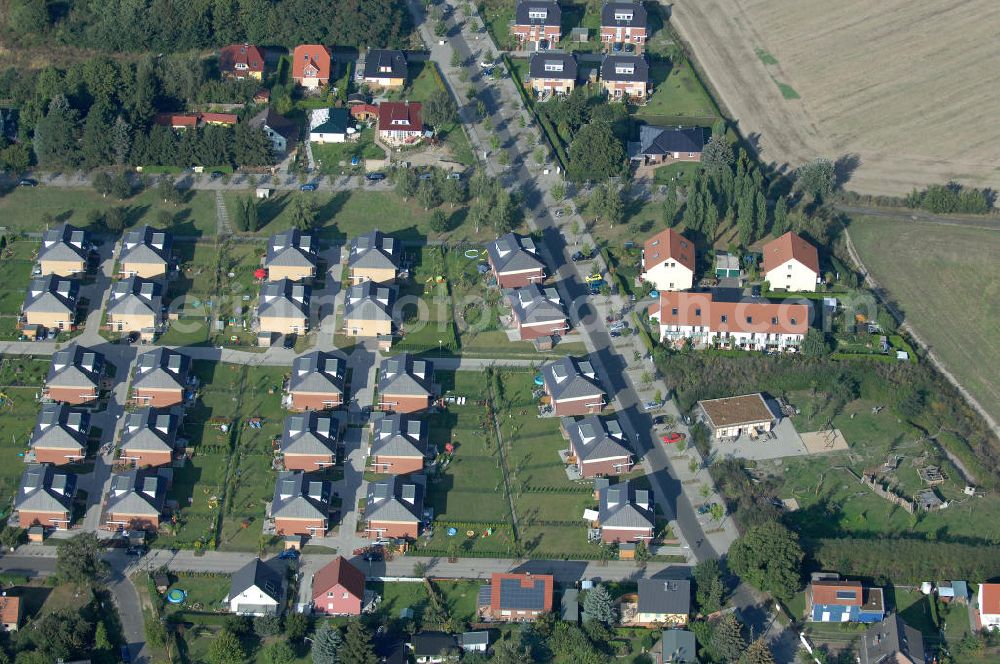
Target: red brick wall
[
  {"x": 71, "y": 395},
  {"x": 311, "y": 401},
  {"x": 535, "y": 331},
  {"x": 133, "y": 522},
  {"x": 56, "y": 457},
  {"x": 42, "y": 518},
  {"x": 578, "y": 407},
  {"x": 595, "y": 468},
  {"x": 308, "y": 462},
  {"x": 403, "y": 404},
  {"x": 609, "y": 33},
  {"x": 670, "y": 158},
  {"x": 397, "y": 465},
  {"x": 159, "y": 398},
  {"x": 393, "y": 529},
  {"x": 520, "y": 279},
  {"x": 536, "y": 32},
  {"x": 144, "y": 458},
  {"x": 350, "y": 606},
  {"x": 300, "y": 527},
  {"x": 624, "y": 535}
]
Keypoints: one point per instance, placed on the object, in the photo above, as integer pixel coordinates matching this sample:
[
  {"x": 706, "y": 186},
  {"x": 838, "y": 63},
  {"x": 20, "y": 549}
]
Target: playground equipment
[
  {"x": 176, "y": 596},
  {"x": 473, "y": 254},
  {"x": 539, "y": 380},
  {"x": 452, "y": 532}
]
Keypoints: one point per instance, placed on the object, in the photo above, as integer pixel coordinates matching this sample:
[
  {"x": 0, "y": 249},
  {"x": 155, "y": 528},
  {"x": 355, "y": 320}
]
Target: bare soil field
[{"x": 901, "y": 84}]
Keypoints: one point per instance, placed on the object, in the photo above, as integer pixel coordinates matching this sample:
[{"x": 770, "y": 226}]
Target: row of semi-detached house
[
  {"x": 622, "y": 76},
  {"x": 622, "y": 22}
]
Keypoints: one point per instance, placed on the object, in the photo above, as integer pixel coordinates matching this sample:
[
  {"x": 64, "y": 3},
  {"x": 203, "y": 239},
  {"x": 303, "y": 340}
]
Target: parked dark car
[
  {"x": 375, "y": 177},
  {"x": 27, "y": 182},
  {"x": 288, "y": 554},
  {"x": 308, "y": 186},
  {"x": 289, "y": 341}
]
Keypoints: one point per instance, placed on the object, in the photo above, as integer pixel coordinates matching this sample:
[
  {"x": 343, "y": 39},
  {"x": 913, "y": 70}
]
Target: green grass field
[
  {"x": 335, "y": 158},
  {"x": 205, "y": 592},
  {"x": 15, "y": 276},
  {"x": 943, "y": 279},
  {"x": 20, "y": 380},
  {"x": 678, "y": 97}
]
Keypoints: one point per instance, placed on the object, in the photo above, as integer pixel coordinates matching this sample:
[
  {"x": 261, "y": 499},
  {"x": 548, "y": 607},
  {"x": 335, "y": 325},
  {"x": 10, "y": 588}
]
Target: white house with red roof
[
  {"x": 791, "y": 264},
  {"x": 668, "y": 261},
  {"x": 399, "y": 122}
]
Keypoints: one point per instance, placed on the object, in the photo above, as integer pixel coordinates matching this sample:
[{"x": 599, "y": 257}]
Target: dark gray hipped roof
[
  {"x": 538, "y": 12},
  {"x": 631, "y": 68},
  {"x": 624, "y": 506},
  {"x": 534, "y": 304},
  {"x": 75, "y": 366},
  {"x": 137, "y": 492},
  {"x": 279, "y": 124},
  {"x": 405, "y": 375},
  {"x": 514, "y": 253},
  {"x": 317, "y": 373},
  {"x": 679, "y": 646},
  {"x": 45, "y": 489},
  {"x": 64, "y": 243},
  {"x": 594, "y": 437},
  {"x": 136, "y": 296},
  {"x": 150, "y": 430},
  {"x": 312, "y": 432},
  {"x": 374, "y": 250},
  {"x": 162, "y": 369},
  {"x": 299, "y": 495},
  {"x": 61, "y": 427},
  {"x": 398, "y": 436},
  {"x": 385, "y": 63},
  {"x": 553, "y": 65},
  {"x": 291, "y": 248},
  {"x": 52, "y": 294},
  {"x": 665, "y": 596},
  {"x": 369, "y": 301},
  {"x": 890, "y": 637},
  {"x": 146, "y": 245},
  {"x": 616, "y": 13},
  {"x": 396, "y": 498},
  {"x": 284, "y": 299},
  {"x": 257, "y": 574},
  {"x": 428, "y": 644},
  {"x": 664, "y": 140},
  {"x": 570, "y": 378}
]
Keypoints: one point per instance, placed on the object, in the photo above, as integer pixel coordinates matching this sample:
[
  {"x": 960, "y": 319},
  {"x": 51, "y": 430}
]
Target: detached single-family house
[
  {"x": 405, "y": 384},
  {"x": 836, "y": 600},
  {"x": 368, "y": 309},
  {"x": 537, "y": 312},
  {"x": 515, "y": 261},
  {"x": 311, "y": 66},
  {"x": 668, "y": 261},
  {"x": 478, "y": 641},
  {"x": 891, "y": 641},
  {"x": 988, "y": 600},
  {"x": 676, "y": 646},
  {"x": 625, "y": 513},
  {"x": 76, "y": 375},
  {"x": 597, "y": 446},
  {"x": 291, "y": 255},
  {"x": 537, "y": 20},
  {"x": 398, "y": 444},
  {"x": 552, "y": 73},
  {"x": 791, "y": 264},
  {"x": 329, "y": 125},
  {"x": 45, "y": 497},
  {"x": 310, "y": 440},
  {"x": 625, "y": 77},
  {"x": 145, "y": 253},
  {"x": 60, "y": 436},
  {"x": 65, "y": 251},
  {"x": 395, "y": 507},
  {"x": 385, "y": 68},
  {"x": 399, "y": 122},
  {"x": 284, "y": 307},
  {"x": 301, "y": 504},
  {"x": 10, "y": 612},
  {"x": 664, "y": 602},
  {"x": 51, "y": 302},
  {"x": 257, "y": 589},
  {"x": 281, "y": 131},
  {"x": 149, "y": 437},
  {"x": 136, "y": 499},
  {"x": 731, "y": 417},
  {"x": 136, "y": 305},
  {"x": 317, "y": 382},
  {"x": 241, "y": 61},
  {"x": 624, "y": 22},
  {"x": 700, "y": 319},
  {"x": 161, "y": 377},
  {"x": 664, "y": 145},
  {"x": 338, "y": 589},
  {"x": 572, "y": 387},
  {"x": 374, "y": 256},
  {"x": 515, "y": 597},
  {"x": 434, "y": 647}
]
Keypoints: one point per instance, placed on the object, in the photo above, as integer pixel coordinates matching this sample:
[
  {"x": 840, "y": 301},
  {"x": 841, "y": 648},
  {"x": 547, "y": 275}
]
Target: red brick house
[
  {"x": 161, "y": 376},
  {"x": 149, "y": 437},
  {"x": 572, "y": 387},
  {"x": 338, "y": 589},
  {"x": 624, "y": 22},
  {"x": 404, "y": 384},
  {"x": 301, "y": 504},
  {"x": 535, "y": 20},
  {"x": 60, "y": 436},
  {"x": 136, "y": 500},
  {"x": 515, "y": 261},
  {"x": 398, "y": 445},
  {"x": 537, "y": 312},
  {"x": 597, "y": 446},
  {"x": 666, "y": 145},
  {"x": 45, "y": 497},
  {"x": 76, "y": 375},
  {"x": 515, "y": 597},
  {"x": 317, "y": 382},
  {"x": 310, "y": 440},
  {"x": 395, "y": 506},
  {"x": 241, "y": 61},
  {"x": 625, "y": 514}
]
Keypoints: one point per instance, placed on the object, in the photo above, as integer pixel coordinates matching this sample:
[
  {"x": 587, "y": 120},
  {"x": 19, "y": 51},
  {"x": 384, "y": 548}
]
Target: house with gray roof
[
  {"x": 149, "y": 437},
  {"x": 891, "y": 640},
  {"x": 624, "y": 22},
  {"x": 572, "y": 387},
  {"x": 515, "y": 261},
  {"x": 385, "y": 68},
  {"x": 45, "y": 497},
  {"x": 434, "y": 647},
  {"x": 281, "y": 131},
  {"x": 283, "y": 307},
  {"x": 395, "y": 507},
  {"x": 625, "y": 76},
  {"x": 301, "y": 504},
  {"x": 368, "y": 310},
  {"x": 76, "y": 375},
  {"x": 329, "y": 125},
  {"x": 676, "y": 646},
  {"x": 136, "y": 499},
  {"x": 146, "y": 252},
  {"x": 291, "y": 254},
  {"x": 398, "y": 444},
  {"x": 664, "y": 602},
  {"x": 625, "y": 513},
  {"x": 60, "y": 436},
  {"x": 537, "y": 20},
  {"x": 310, "y": 439},
  {"x": 477, "y": 641},
  {"x": 65, "y": 251},
  {"x": 257, "y": 588},
  {"x": 136, "y": 305},
  {"x": 552, "y": 72},
  {"x": 161, "y": 378},
  {"x": 374, "y": 256},
  {"x": 537, "y": 312},
  {"x": 598, "y": 445},
  {"x": 662, "y": 145},
  {"x": 405, "y": 384},
  {"x": 51, "y": 302},
  {"x": 316, "y": 382}
]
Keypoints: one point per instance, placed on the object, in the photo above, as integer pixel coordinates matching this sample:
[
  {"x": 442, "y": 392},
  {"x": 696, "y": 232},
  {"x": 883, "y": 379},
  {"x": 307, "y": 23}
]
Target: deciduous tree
[
  {"x": 769, "y": 557},
  {"x": 225, "y": 648},
  {"x": 78, "y": 559},
  {"x": 596, "y": 152}
]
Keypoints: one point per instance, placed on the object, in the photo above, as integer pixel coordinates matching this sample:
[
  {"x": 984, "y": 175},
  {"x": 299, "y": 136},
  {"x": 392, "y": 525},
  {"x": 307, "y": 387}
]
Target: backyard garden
[
  {"x": 18, "y": 257},
  {"x": 21, "y": 380}
]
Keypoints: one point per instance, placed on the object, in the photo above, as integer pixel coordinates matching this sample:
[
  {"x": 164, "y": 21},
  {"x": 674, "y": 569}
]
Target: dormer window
[
  {"x": 624, "y": 69},
  {"x": 553, "y": 66},
  {"x": 539, "y": 14},
  {"x": 624, "y": 16}
]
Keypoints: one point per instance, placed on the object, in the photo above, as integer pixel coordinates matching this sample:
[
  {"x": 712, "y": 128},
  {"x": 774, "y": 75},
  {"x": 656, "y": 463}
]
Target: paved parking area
[{"x": 786, "y": 442}]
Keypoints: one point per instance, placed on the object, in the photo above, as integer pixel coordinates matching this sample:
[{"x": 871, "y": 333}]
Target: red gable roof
[
  {"x": 837, "y": 593},
  {"x": 219, "y": 118},
  {"x": 341, "y": 573},
  {"x": 991, "y": 599},
  {"x": 177, "y": 119},
  {"x": 789, "y": 246},
  {"x": 399, "y": 116},
  {"x": 527, "y": 581},
  {"x": 683, "y": 308},
  {"x": 667, "y": 245},
  {"x": 311, "y": 54},
  {"x": 241, "y": 54},
  {"x": 10, "y": 610}
]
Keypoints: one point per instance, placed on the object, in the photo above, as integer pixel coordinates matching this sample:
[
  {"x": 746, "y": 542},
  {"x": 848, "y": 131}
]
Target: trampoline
[{"x": 176, "y": 596}]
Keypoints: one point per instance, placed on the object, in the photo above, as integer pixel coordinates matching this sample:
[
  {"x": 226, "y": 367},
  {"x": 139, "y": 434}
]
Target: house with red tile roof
[
  {"x": 311, "y": 65},
  {"x": 515, "y": 597},
  {"x": 989, "y": 605},
  {"x": 791, "y": 264},
  {"x": 338, "y": 589},
  {"x": 668, "y": 261},
  {"x": 241, "y": 61},
  {"x": 837, "y": 600},
  {"x": 10, "y": 613},
  {"x": 399, "y": 122}
]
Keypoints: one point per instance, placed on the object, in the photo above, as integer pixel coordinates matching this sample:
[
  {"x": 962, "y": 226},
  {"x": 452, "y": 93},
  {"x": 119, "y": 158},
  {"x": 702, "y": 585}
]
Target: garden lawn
[
  {"x": 15, "y": 274},
  {"x": 678, "y": 97},
  {"x": 335, "y": 158},
  {"x": 18, "y": 413},
  {"x": 427, "y": 309},
  {"x": 205, "y": 592}
]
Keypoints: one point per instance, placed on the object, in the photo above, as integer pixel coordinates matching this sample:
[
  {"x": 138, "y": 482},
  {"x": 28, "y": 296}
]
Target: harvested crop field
[
  {"x": 943, "y": 277},
  {"x": 899, "y": 83}
]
